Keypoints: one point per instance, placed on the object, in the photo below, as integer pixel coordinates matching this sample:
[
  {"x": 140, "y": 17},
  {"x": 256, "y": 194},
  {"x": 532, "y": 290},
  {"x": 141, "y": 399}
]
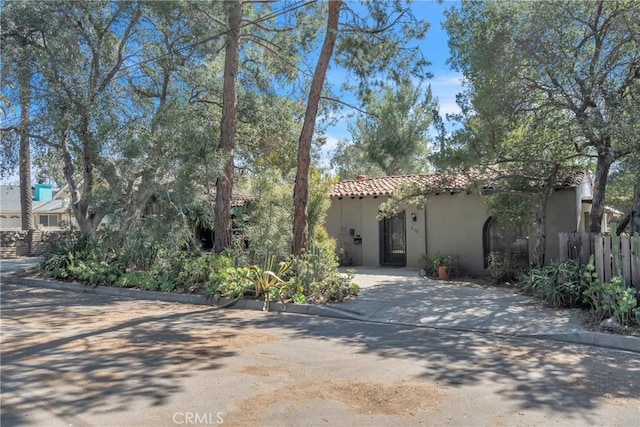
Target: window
[
  {"x": 48, "y": 220},
  {"x": 511, "y": 246}
]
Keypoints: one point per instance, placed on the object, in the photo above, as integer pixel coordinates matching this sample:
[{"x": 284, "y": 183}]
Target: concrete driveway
[{"x": 394, "y": 295}]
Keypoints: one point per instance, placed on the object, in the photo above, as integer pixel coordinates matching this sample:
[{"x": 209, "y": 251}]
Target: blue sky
[{"x": 445, "y": 83}]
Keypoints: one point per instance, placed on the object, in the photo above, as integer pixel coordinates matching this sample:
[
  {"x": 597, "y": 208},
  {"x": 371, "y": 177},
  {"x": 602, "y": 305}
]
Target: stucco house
[
  {"x": 50, "y": 207},
  {"x": 453, "y": 221}
]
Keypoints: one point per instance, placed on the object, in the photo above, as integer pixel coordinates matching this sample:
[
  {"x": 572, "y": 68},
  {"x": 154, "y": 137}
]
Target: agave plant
[{"x": 268, "y": 281}]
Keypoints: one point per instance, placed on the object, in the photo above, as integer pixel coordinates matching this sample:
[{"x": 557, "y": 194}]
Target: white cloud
[
  {"x": 449, "y": 108},
  {"x": 445, "y": 88}
]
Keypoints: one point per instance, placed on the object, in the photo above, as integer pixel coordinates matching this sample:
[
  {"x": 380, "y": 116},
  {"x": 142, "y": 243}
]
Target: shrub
[
  {"x": 80, "y": 259},
  {"x": 335, "y": 287},
  {"x": 231, "y": 282},
  {"x": 610, "y": 299},
  {"x": 138, "y": 279},
  {"x": 559, "y": 284},
  {"x": 203, "y": 270},
  {"x": 138, "y": 251}
]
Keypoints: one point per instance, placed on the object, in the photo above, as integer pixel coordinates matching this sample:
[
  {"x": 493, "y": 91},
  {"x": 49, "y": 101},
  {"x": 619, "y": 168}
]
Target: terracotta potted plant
[{"x": 442, "y": 263}]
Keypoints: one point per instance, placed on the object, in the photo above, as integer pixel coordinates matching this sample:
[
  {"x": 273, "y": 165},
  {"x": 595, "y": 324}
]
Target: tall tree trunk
[
  {"x": 224, "y": 184},
  {"x": 597, "y": 205},
  {"x": 26, "y": 194},
  {"x": 540, "y": 249},
  {"x": 301, "y": 187},
  {"x": 87, "y": 222}
]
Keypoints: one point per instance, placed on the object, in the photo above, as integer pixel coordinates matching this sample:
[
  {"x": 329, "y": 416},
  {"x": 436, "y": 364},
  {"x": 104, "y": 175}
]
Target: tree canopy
[{"x": 579, "y": 60}]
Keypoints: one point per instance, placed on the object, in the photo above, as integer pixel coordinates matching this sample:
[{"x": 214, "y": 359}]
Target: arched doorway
[{"x": 503, "y": 248}]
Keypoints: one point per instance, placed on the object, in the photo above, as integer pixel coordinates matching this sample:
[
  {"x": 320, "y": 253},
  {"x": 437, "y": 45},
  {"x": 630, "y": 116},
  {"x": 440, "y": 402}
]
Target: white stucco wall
[{"x": 10, "y": 220}]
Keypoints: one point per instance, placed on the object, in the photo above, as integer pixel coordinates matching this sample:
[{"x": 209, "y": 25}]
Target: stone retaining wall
[{"x": 18, "y": 243}]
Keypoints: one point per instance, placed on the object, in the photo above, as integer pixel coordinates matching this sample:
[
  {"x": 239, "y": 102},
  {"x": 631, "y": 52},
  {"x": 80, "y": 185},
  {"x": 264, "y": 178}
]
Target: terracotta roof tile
[
  {"x": 386, "y": 185},
  {"x": 435, "y": 183}
]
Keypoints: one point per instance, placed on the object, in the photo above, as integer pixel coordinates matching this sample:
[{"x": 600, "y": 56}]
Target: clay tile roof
[
  {"x": 572, "y": 179},
  {"x": 434, "y": 183},
  {"x": 385, "y": 185}
]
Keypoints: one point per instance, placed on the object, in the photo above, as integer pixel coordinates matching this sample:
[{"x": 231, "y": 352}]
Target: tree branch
[{"x": 328, "y": 98}]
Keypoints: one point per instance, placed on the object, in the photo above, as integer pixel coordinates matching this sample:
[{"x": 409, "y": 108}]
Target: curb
[
  {"x": 597, "y": 339},
  {"x": 242, "y": 304}
]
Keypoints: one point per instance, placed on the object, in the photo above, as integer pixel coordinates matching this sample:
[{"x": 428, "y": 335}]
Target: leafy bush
[
  {"x": 138, "y": 251},
  {"x": 335, "y": 287},
  {"x": 143, "y": 261},
  {"x": 559, "y": 284},
  {"x": 231, "y": 282},
  {"x": 610, "y": 299},
  {"x": 138, "y": 279},
  {"x": 203, "y": 270},
  {"x": 80, "y": 259},
  {"x": 431, "y": 263}
]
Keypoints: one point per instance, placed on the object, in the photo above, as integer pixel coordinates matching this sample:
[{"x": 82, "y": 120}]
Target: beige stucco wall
[
  {"x": 358, "y": 214},
  {"x": 562, "y": 214},
  {"x": 453, "y": 226}
]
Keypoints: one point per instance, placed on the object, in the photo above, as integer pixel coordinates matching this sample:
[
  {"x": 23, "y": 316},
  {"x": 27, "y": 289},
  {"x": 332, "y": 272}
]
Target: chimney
[{"x": 361, "y": 177}]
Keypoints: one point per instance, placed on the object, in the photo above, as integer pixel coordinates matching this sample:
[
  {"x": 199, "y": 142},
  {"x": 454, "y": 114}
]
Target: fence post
[{"x": 563, "y": 246}]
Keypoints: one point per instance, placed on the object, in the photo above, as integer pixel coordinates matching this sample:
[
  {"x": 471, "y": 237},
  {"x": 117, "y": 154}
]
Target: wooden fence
[{"x": 613, "y": 256}]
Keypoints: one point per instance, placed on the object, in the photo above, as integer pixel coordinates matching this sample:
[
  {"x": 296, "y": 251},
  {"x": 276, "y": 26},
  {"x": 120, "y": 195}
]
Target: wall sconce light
[{"x": 414, "y": 218}]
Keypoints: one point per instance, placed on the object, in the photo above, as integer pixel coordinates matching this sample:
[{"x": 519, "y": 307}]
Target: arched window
[{"x": 512, "y": 246}]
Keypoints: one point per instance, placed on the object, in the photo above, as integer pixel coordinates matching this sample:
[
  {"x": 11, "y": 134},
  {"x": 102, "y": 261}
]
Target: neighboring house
[
  {"x": 50, "y": 207},
  {"x": 453, "y": 221}
]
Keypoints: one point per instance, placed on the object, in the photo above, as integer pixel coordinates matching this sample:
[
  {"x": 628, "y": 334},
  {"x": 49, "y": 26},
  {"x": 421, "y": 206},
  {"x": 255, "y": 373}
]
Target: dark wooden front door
[{"x": 393, "y": 242}]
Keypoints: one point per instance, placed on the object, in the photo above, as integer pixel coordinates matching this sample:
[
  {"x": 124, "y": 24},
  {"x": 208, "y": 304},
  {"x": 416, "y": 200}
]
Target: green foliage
[
  {"x": 569, "y": 284},
  {"x": 267, "y": 281},
  {"x": 138, "y": 279},
  {"x": 349, "y": 160},
  {"x": 431, "y": 263},
  {"x": 203, "y": 271},
  {"x": 393, "y": 136},
  {"x": 559, "y": 284},
  {"x": 499, "y": 265},
  {"x": 550, "y": 85},
  {"x": 334, "y": 287},
  {"x": 269, "y": 224},
  {"x": 610, "y": 299},
  {"x": 80, "y": 259},
  {"x": 111, "y": 260},
  {"x": 512, "y": 211},
  {"x": 231, "y": 282},
  {"x": 138, "y": 251}
]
